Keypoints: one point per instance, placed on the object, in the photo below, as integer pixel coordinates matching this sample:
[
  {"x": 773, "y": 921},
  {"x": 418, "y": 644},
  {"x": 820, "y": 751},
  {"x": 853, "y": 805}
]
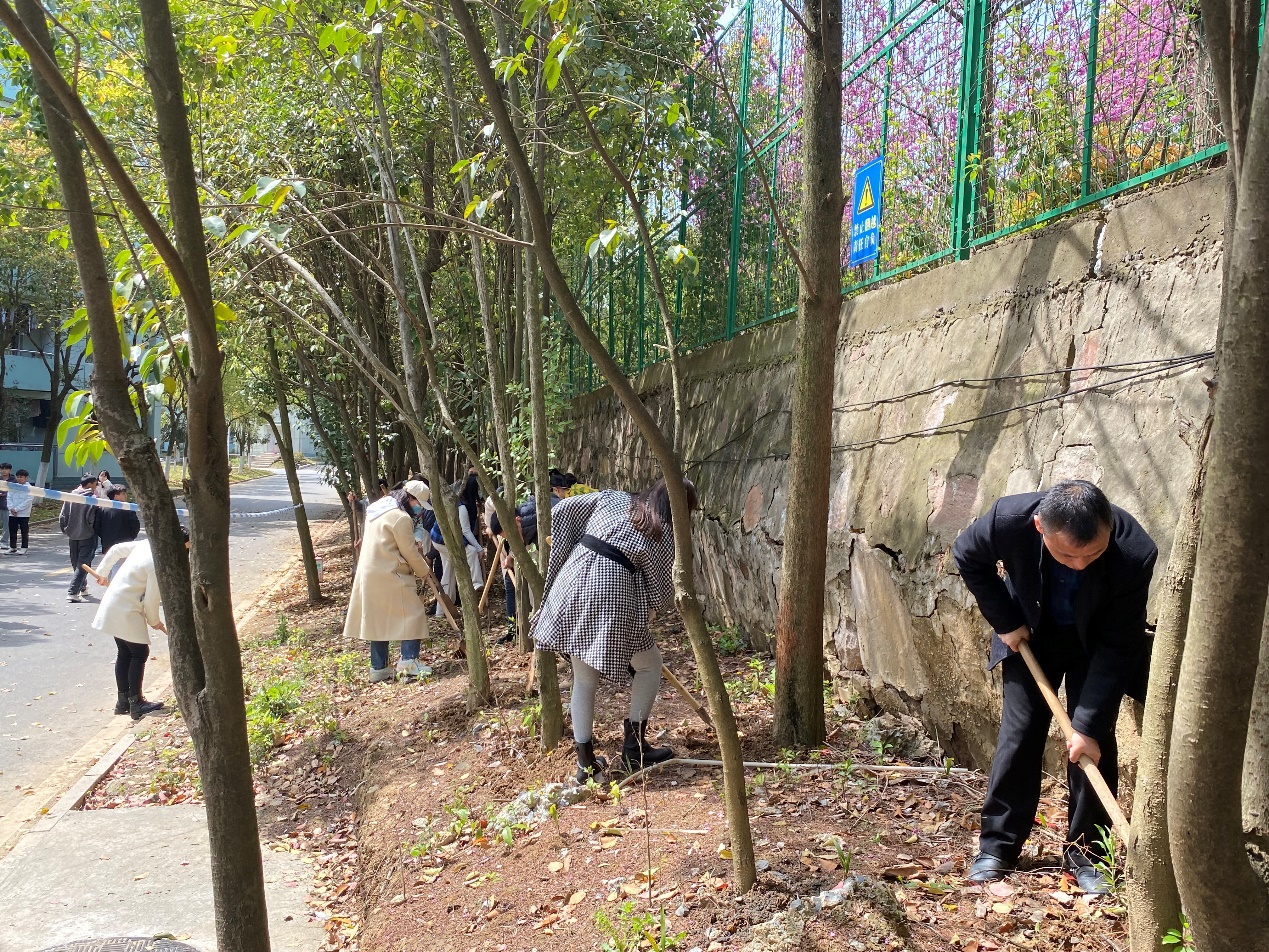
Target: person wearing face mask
[
  {"x": 384, "y": 605},
  {"x": 1068, "y": 573}
]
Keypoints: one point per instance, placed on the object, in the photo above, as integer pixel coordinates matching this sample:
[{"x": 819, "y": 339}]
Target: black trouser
[
  {"x": 130, "y": 666},
  {"x": 82, "y": 552},
  {"x": 1013, "y": 793},
  {"x": 18, "y": 524}
]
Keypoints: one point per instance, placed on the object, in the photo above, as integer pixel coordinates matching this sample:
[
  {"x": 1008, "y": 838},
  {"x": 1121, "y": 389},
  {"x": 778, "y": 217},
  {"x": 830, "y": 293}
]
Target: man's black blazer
[{"x": 1110, "y": 606}]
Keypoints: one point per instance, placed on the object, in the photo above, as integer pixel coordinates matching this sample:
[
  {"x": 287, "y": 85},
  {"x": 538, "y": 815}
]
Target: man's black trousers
[
  {"x": 82, "y": 552},
  {"x": 1013, "y": 793}
]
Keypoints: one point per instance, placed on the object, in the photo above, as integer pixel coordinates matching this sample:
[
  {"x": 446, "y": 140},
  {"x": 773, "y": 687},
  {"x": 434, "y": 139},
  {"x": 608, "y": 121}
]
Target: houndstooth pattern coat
[{"x": 594, "y": 608}]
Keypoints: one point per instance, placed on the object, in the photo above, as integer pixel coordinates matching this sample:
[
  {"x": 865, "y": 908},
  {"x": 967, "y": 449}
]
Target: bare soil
[{"x": 392, "y": 792}]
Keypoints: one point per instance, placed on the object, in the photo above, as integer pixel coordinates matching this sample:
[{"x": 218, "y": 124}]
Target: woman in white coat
[
  {"x": 468, "y": 520},
  {"x": 384, "y": 605},
  {"x": 128, "y": 610}
]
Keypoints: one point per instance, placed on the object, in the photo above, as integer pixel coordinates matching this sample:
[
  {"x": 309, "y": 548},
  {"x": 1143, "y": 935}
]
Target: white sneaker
[
  {"x": 412, "y": 669},
  {"x": 74, "y": 598},
  {"x": 23, "y": 551},
  {"x": 381, "y": 674}
]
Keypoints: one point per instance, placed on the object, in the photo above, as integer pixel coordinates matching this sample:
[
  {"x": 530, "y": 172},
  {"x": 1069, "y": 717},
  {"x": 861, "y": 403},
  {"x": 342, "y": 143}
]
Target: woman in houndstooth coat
[{"x": 612, "y": 554}]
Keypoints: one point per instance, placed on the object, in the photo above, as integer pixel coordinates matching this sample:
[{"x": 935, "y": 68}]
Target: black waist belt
[{"x": 610, "y": 552}]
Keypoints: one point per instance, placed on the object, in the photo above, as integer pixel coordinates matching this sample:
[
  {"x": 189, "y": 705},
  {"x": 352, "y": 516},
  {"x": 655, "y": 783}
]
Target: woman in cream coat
[
  {"x": 384, "y": 605},
  {"x": 128, "y": 610}
]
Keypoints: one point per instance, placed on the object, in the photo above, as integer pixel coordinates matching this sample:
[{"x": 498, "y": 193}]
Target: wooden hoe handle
[
  {"x": 691, "y": 699},
  {"x": 447, "y": 604},
  {"x": 1095, "y": 778}
]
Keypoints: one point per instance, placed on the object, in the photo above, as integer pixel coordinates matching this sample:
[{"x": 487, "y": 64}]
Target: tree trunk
[
  {"x": 206, "y": 664},
  {"x": 286, "y": 449},
  {"x": 50, "y": 441},
  {"x": 536, "y": 311},
  {"x": 1154, "y": 906},
  {"x": 1224, "y": 898},
  {"x": 799, "y": 700},
  {"x": 493, "y": 363},
  {"x": 1256, "y": 769},
  {"x": 734, "y": 794}
]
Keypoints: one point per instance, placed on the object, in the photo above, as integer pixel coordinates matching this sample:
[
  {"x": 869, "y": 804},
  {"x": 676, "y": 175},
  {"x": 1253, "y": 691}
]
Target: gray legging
[{"x": 643, "y": 691}]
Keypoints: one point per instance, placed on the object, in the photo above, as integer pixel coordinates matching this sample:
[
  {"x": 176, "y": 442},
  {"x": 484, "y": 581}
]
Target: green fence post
[
  {"x": 639, "y": 365},
  {"x": 1090, "y": 87},
  {"x": 738, "y": 191},
  {"x": 968, "y": 126},
  {"x": 885, "y": 133},
  {"x": 775, "y": 170}
]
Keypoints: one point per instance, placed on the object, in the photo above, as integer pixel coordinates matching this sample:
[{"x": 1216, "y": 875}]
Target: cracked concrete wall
[{"x": 1138, "y": 281}]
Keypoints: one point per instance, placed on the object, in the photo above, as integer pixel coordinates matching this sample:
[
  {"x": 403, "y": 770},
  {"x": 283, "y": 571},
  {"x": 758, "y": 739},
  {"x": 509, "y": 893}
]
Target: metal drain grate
[{"x": 122, "y": 944}]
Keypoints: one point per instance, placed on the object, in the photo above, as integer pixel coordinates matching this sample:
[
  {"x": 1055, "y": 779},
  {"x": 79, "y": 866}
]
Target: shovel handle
[
  {"x": 1095, "y": 778},
  {"x": 691, "y": 699},
  {"x": 445, "y": 601}
]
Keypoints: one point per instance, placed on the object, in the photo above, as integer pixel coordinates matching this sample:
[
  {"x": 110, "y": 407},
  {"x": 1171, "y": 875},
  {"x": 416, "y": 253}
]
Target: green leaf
[
  {"x": 64, "y": 428},
  {"x": 215, "y": 226},
  {"x": 672, "y": 115},
  {"x": 282, "y": 193},
  {"x": 264, "y": 188},
  {"x": 224, "y": 313},
  {"x": 74, "y": 402},
  {"x": 551, "y": 73}
]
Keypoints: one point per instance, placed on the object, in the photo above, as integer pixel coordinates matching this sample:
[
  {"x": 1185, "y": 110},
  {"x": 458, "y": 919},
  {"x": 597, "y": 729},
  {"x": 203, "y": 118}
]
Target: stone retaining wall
[{"x": 1137, "y": 281}]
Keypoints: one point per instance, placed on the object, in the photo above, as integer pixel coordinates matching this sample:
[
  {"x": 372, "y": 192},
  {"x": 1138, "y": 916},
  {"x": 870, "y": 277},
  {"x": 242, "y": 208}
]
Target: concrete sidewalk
[{"x": 140, "y": 871}]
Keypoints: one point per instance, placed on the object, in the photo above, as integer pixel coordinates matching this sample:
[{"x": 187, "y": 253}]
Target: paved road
[{"x": 56, "y": 673}]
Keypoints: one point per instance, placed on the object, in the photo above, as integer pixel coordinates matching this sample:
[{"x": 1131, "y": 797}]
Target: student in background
[
  {"x": 115, "y": 525},
  {"x": 468, "y": 516},
  {"x": 104, "y": 485},
  {"x": 20, "y": 505},
  {"x": 6, "y": 474},
  {"x": 76, "y": 521}
]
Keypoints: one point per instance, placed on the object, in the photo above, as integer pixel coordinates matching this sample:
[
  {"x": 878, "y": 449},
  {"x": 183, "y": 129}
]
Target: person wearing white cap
[{"x": 384, "y": 605}]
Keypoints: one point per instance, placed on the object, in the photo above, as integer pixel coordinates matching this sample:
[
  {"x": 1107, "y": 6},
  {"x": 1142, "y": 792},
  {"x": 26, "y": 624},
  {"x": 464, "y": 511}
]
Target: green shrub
[
  {"x": 279, "y": 698},
  {"x": 630, "y": 931}
]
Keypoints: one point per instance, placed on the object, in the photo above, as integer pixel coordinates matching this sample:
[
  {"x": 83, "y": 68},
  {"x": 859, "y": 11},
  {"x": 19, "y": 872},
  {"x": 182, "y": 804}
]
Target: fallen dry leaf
[{"x": 903, "y": 871}]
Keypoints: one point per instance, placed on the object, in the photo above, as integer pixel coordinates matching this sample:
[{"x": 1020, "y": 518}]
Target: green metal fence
[{"x": 992, "y": 116}]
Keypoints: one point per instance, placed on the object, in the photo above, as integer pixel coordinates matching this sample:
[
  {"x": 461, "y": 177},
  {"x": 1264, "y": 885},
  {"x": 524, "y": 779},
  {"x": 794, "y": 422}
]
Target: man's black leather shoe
[
  {"x": 987, "y": 868},
  {"x": 1086, "y": 875}
]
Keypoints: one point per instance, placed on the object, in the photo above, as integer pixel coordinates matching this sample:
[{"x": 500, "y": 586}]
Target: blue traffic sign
[{"x": 865, "y": 214}]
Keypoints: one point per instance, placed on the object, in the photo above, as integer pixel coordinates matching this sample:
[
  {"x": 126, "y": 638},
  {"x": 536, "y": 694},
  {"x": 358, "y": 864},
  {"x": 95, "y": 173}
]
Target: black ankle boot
[
  {"x": 139, "y": 707},
  {"x": 635, "y": 752},
  {"x": 121, "y": 705},
  {"x": 589, "y": 766}
]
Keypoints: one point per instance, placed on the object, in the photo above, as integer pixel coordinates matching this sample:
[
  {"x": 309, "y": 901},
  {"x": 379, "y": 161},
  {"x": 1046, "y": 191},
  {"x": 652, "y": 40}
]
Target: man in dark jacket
[
  {"x": 115, "y": 525},
  {"x": 76, "y": 521},
  {"x": 1070, "y": 574}
]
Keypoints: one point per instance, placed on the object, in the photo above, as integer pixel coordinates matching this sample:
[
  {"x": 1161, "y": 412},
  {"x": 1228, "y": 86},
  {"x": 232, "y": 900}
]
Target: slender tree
[
  {"x": 286, "y": 449},
  {"x": 206, "y": 664},
  {"x": 685, "y": 587},
  {"x": 1226, "y": 901},
  {"x": 799, "y": 700}
]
